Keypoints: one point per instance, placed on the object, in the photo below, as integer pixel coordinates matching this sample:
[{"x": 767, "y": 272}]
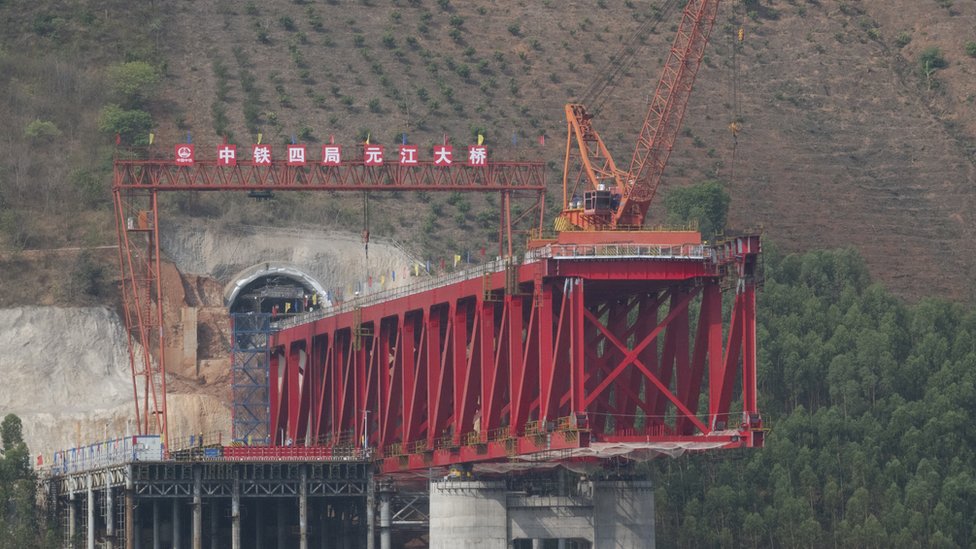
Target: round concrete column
[
  {"x": 623, "y": 514},
  {"x": 468, "y": 514}
]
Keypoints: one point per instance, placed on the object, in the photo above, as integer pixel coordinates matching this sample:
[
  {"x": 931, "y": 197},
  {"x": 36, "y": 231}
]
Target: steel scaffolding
[{"x": 249, "y": 377}]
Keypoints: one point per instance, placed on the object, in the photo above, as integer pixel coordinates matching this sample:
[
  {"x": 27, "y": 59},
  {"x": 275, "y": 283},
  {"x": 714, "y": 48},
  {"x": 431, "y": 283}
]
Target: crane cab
[
  {"x": 599, "y": 202},
  {"x": 594, "y": 211}
]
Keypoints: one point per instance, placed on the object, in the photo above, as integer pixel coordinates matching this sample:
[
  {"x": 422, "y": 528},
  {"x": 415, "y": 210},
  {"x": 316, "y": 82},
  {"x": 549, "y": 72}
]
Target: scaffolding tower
[{"x": 249, "y": 377}]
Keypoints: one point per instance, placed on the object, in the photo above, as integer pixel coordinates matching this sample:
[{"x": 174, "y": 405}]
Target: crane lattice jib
[{"x": 666, "y": 110}]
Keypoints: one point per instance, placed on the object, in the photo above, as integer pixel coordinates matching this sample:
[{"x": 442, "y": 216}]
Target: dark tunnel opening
[{"x": 278, "y": 295}]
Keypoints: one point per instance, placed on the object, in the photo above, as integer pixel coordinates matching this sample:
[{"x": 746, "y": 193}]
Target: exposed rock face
[
  {"x": 66, "y": 374},
  {"x": 70, "y": 360}
]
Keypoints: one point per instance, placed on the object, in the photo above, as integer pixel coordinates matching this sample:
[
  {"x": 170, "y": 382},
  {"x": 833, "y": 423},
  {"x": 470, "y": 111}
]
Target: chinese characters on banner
[
  {"x": 478, "y": 155},
  {"x": 408, "y": 155},
  {"x": 373, "y": 155},
  {"x": 331, "y": 155},
  {"x": 442, "y": 155},
  {"x": 226, "y": 155},
  {"x": 261, "y": 155},
  {"x": 296, "y": 155}
]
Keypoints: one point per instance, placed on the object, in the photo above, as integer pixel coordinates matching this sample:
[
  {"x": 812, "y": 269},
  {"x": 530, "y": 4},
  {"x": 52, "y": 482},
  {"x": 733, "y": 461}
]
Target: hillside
[{"x": 846, "y": 140}]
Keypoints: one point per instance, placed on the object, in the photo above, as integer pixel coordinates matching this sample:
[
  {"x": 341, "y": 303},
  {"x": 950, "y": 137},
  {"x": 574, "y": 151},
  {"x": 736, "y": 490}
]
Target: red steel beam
[{"x": 207, "y": 175}]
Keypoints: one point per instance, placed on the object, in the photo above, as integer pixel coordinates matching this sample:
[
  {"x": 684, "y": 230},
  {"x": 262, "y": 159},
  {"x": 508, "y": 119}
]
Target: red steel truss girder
[
  {"x": 484, "y": 369},
  {"x": 207, "y": 175}
]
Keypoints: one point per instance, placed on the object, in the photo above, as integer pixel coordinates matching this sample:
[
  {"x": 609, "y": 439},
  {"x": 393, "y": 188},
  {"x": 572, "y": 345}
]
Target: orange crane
[{"x": 612, "y": 198}]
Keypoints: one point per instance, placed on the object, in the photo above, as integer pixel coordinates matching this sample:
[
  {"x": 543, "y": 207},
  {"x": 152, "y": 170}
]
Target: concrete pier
[
  {"x": 386, "y": 519},
  {"x": 470, "y": 514},
  {"x": 486, "y": 514}
]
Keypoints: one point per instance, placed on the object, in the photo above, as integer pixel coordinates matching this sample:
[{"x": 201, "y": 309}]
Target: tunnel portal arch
[{"x": 273, "y": 288}]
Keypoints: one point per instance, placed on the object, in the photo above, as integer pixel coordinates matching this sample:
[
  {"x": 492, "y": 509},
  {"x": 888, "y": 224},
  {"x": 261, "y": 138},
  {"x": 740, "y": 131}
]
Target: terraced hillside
[{"x": 854, "y": 131}]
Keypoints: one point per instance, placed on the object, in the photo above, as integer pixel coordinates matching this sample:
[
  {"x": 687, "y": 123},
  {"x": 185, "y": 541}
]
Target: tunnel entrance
[{"x": 275, "y": 290}]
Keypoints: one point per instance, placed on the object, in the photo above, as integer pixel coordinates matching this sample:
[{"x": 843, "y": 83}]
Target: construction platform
[{"x": 126, "y": 493}]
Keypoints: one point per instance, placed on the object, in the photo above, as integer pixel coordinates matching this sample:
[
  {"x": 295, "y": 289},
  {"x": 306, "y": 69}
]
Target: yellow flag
[
  {"x": 481, "y": 139},
  {"x": 742, "y": 34},
  {"x": 416, "y": 269},
  {"x": 152, "y": 137},
  {"x": 457, "y": 259},
  {"x": 382, "y": 279},
  {"x": 259, "y": 139},
  {"x": 287, "y": 306},
  {"x": 367, "y": 138}
]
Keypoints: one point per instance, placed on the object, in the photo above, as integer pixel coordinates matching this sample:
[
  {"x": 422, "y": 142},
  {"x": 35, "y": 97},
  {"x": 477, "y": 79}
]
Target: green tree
[
  {"x": 706, "y": 204},
  {"x": 132, "y": 125},
  {"x": 134, "y": 82},
  {"x": 11, "y": 431},
  {"x": 869, "y": 400},
  {"x": 41, "y": 131},
  {"x": 21, "y": 521}
]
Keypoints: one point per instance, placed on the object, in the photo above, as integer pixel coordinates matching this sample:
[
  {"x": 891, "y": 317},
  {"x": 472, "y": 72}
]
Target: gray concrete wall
[
  {"x": 482, "y": 515},
  {"x": 550, "y": 517},
  {"x": 623, "y": 514},
  {"x": 468, "y": 515}
]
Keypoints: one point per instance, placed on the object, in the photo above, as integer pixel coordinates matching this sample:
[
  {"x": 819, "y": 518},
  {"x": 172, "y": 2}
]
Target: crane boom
[{"x": 617, "y": 198}]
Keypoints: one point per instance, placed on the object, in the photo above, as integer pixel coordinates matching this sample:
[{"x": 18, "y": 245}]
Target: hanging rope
[{"x": 366, "y": 231}]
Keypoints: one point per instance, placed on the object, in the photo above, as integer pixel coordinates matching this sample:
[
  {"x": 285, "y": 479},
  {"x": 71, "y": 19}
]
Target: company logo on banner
[{"x": 184, "y": 153}]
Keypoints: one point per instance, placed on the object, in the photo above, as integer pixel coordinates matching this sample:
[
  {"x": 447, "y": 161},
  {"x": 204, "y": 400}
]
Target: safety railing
[
  {"x": 191, "y": 448},
  {"x": 102, "y": 454},
  {"x": 552, "y": 251},
  {"x": 605, "y": 251},
  {"x": 367, "y": 300}
]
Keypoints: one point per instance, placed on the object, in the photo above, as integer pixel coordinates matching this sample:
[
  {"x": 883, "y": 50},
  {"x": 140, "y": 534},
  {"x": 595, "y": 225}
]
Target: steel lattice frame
[
  {"x": 556, "y": 354},
  {"x": 250, "y": 356},
  {"x": 136, "y": 218}
]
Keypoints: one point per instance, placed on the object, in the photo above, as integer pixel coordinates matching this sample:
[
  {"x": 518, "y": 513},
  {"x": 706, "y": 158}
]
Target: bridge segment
[{"x": 593, "y": 345}]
